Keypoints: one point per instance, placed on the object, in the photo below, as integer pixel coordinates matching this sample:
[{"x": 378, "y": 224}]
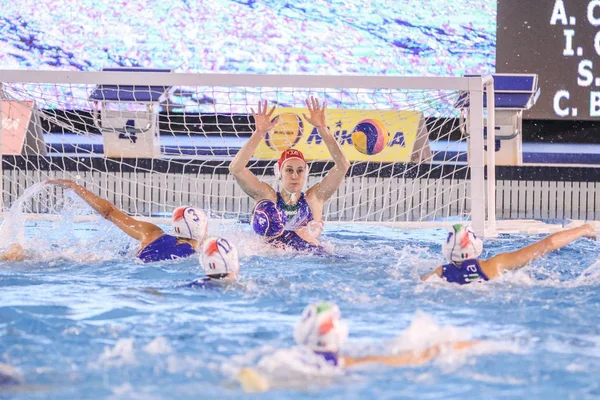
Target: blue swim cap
[{"x": 267, "y": 220}]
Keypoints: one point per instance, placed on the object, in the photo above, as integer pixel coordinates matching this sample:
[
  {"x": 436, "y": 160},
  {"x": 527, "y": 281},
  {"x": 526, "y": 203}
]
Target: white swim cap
[
  {"x": 219, "y": 257},
  {"x": 462, "y": 244},
  {"x": 190, "y": 223},
  {"x": 321, "y": 328}
]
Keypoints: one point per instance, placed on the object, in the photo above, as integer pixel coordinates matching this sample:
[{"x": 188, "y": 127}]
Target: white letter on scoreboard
[
  {"x": 590, "y": 12},
  {"x": 585, "y": 73},
  {"x": 561, "y": 112},
  {"x": 568, "y": 50},
  {"x": 558, "y": 13},
  {"x": 594, "y": 104}
]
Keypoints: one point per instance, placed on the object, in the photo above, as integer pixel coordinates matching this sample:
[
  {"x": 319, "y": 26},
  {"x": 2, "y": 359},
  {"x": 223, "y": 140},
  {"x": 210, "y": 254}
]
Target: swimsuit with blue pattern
[
  {"x": 468, "y": 271},
  {"x": 296, "y": 216},
  {"x": 291, "y": 239},
  {"x": 165, "y": 248},
  {"x": 329, "y": 356}
]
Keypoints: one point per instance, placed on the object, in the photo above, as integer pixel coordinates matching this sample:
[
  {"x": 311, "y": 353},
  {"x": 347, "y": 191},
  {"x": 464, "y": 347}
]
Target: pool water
[{"x": 82, "y": 319}]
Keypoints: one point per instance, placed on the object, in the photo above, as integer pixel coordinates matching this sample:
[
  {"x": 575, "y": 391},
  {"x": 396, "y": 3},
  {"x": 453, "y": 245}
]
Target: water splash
[
  {"x": 158, "y": 345},
  {"x": 424, "y": 332},
  {"x": 57, "y": 234},
  {"x": 121, "y": 354}
]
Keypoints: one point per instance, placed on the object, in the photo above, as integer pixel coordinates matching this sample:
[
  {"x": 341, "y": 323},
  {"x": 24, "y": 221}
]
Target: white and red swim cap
[
  {"x": 462, "y": 244},
  {"x": 290, "y": 154},
  {"x": 190, "y": 223}
]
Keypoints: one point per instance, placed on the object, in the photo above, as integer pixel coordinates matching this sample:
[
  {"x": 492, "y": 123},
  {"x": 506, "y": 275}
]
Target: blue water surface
[{"x": 83, "y": 319}]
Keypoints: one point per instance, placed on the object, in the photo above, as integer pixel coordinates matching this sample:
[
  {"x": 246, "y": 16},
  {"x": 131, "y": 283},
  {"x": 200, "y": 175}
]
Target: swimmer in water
[
  {"x": 462, "y": 248},
  {"x": 220, "y": 262},
  {"x": 322, "y": 332},
  {"x": 190, "y": 226},
  {"x": 290, "y": 218}
]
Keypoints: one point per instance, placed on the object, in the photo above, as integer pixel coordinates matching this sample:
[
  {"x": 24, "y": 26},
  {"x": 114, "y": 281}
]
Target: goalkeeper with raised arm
[{"x": 290, "y": 217}]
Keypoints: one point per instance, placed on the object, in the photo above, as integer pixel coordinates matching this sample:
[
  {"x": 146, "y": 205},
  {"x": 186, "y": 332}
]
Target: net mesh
[{"x": 149, "y": 149}]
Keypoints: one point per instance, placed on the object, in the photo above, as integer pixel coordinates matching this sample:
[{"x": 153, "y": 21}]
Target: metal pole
[
  {"x": 491, "y": 160},
  {"x": 476, "y": 157}
]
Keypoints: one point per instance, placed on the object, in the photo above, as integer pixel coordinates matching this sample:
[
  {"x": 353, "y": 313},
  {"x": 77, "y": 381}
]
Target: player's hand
[
  {"x": 262, "y": 118},
  {"x": 589, "y": 231},
  {"x": 315, "y": 228},
  {"x": 317, "y": 113},
  {"x": 15, "y": 252}
]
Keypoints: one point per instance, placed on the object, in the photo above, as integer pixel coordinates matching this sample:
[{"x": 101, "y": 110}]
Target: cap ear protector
[{"x": 461, "y": 244}]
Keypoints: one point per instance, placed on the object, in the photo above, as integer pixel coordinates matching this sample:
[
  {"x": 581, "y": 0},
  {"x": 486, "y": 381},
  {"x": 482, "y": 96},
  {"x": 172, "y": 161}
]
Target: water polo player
[
  {"x": 220, "y": 262},
  {"x": 462, "y": 248},
  {"x": 290, "y": 218},
  {"x": 189, "y": 225},
  {"x": 322, "y": 332}
]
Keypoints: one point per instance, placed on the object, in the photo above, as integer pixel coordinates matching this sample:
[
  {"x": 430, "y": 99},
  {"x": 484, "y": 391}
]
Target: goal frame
[{"x": 482, "y": 196}]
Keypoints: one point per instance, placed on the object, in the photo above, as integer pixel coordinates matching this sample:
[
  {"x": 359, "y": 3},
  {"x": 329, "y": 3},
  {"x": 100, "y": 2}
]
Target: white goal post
[{"x": 152, "y": 141}]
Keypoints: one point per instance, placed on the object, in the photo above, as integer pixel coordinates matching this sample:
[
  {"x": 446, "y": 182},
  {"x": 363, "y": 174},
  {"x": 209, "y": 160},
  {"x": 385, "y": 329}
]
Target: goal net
[{"x": 150, "y": 141}]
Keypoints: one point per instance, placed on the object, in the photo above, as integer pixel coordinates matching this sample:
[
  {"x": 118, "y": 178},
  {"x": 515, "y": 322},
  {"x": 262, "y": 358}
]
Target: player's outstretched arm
[
  {"x": 332, "y": 181},
  {"x": 243, "y": 176},
  {"x": 142, "y": 231},
  {"x": 437, "y": 271},
  {"x": 14, "y": 252},
  {"x": 517, "y": 259},
  {"x": 408, "y": 358}
]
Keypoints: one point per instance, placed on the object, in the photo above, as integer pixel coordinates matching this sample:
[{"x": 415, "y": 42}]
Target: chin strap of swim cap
[{"x": 292, "y": 196}]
